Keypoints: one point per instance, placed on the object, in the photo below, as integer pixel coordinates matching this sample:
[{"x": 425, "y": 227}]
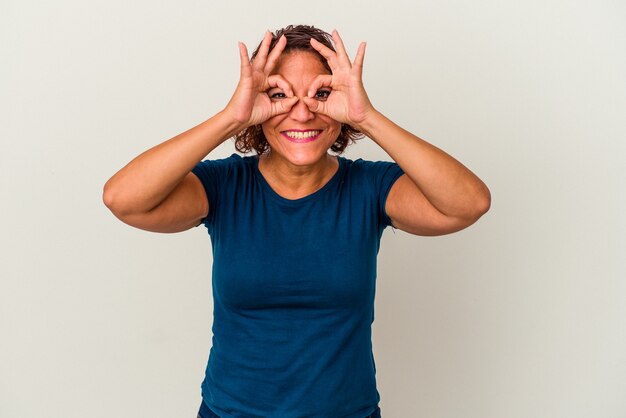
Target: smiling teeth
[{"x": 301, "y": 135}]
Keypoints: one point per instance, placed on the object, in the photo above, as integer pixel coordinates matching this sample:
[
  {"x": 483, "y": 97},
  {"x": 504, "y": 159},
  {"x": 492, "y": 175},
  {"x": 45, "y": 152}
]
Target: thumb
[
  {"x": 284, "y": 106},
  {"x": 315, "y": 106}
]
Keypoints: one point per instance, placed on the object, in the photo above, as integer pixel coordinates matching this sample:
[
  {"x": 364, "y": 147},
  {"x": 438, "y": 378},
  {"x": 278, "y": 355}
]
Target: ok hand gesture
[
  {"x": 250, "y": 104},
  {"x": 348, "y": 102}
]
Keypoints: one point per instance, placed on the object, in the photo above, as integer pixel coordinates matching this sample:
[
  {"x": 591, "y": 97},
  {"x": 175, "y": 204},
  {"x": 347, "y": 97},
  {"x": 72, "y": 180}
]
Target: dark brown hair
[{"x": 298, "y": 39}]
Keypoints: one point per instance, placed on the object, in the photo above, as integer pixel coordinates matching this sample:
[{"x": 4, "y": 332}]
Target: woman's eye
[
  {"x": 278, "y": 95},
  {"x": 322, "y": 94}
]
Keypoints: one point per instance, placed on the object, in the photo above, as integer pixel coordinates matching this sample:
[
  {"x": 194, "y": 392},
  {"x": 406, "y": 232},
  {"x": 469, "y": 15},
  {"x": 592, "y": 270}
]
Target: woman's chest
[{"x": 295, "y": 258}]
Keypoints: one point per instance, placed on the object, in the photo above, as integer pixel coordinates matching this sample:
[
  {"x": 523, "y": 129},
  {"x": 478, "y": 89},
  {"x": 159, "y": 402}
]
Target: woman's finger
[
  {"x": 327, "y": 53},
  {"x": 283, "y": 106},
  {"x": 340, "y": 48},
  {"x": 275, "y": 54},
  {"x": 245, "y": 60},
  {"x": 360, "y": 55},
  {"x": 315, "y": 106},
  {"x": 280, "y": 82},
  {"x": 322, "y": 80},
  {"x": 261, "y": 56}
]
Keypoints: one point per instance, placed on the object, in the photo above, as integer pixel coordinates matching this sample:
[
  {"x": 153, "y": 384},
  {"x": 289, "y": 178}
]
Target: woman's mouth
[{"x": 299, "y": 136}]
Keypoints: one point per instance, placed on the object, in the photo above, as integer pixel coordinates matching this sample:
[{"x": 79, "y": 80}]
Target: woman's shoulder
[
  {"x": 230, "y": 160},
  {"x": 363, "y": 166},
  {"x": 378, "y": 175},
  {"x": 219, "y": 170},
  {"x": 234, "y": 161}
]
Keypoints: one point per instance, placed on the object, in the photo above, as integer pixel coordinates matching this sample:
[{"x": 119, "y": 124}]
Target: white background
[{"x": 521, "y": 315}]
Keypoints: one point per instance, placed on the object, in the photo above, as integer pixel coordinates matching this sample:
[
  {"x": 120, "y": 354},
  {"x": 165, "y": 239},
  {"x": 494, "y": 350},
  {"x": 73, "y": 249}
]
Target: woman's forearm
[
  {"x": 150, "y": 177},
  {"x": 447, "y": 184}
]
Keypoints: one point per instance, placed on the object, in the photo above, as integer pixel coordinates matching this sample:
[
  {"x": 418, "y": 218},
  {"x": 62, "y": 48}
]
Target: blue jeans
[{"x": 205, "y": 412}]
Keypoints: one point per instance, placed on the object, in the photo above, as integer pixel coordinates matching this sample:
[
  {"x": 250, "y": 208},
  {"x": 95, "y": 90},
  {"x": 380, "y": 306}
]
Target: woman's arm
[
  {"x": 437, "y": 195},
  {"x": 156, "y": 191}
]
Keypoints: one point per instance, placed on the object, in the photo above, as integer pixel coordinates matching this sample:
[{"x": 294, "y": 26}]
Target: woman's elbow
[
  {"x": 481, "y": 203},
  {"x": 111, "y": 199}
]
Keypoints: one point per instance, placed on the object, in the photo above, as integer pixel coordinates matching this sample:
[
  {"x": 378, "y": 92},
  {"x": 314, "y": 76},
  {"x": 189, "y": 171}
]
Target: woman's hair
[{"x": 298, "y": 39}]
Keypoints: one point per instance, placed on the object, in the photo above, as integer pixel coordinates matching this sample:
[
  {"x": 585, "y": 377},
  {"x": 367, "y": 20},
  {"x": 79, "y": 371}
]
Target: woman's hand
[
  {"x": 250, "y": 104},
  {"x": 347, "y": 102}
]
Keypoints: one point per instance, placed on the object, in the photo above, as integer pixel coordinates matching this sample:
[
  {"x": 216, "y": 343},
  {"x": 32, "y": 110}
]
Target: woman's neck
[{"x": 293, "y": 181}]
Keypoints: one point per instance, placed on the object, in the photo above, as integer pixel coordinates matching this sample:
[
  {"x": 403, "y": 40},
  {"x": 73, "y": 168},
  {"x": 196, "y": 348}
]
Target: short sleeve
[
  {"x": 212, "y": 174},
  {"x": 386, "y": 175},
  {"x": 382, "y": 175}
]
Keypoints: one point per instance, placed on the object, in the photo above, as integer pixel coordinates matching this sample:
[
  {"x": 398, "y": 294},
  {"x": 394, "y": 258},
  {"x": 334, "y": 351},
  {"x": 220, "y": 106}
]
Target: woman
[{"x": 295, "y": 229}]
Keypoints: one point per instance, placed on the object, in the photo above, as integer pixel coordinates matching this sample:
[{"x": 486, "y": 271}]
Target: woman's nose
[{"x": 301, "y": 112}]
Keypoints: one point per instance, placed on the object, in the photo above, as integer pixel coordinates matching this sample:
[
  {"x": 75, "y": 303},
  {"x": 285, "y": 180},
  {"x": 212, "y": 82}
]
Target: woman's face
[{"x": 300, "y": 136}]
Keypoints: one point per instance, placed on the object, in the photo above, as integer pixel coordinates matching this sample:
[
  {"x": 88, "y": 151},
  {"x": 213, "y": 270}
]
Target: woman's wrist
[
  {"x": 229, "y": 123},
  {"x": 371, "y": 122}
]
